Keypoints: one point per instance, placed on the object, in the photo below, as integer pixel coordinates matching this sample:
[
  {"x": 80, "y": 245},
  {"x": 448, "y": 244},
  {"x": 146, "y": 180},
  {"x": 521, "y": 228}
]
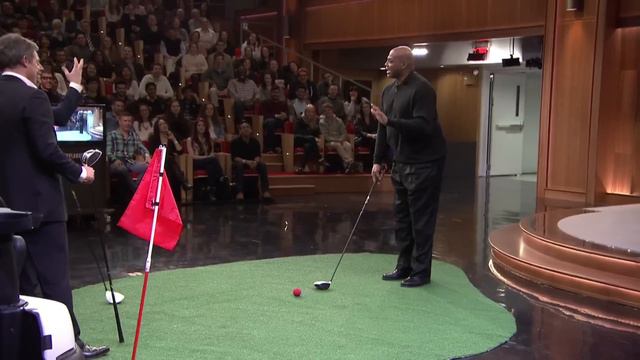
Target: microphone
[{"x": 90, "y": 157}]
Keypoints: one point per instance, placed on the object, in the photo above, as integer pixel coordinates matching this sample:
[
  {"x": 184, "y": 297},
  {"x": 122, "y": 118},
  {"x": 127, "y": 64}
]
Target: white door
[{"x": 507, "y": 124}]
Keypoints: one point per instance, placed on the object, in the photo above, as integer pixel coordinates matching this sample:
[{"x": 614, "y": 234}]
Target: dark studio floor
[{"x": 321, "y": 223}]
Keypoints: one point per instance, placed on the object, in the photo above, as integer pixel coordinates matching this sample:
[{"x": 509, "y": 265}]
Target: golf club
[
  {"x": 90, "y": 158},
  {"x": 324, "y": 284}
]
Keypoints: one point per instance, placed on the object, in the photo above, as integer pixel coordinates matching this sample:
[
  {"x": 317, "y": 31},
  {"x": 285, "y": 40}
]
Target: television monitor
[{"x": 85, "y": 125}]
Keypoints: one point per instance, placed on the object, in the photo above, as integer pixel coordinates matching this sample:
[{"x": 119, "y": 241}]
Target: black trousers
[
  {"x": 213, "y": 169},
  {"x": 271, "y": 139},
  {"x": 261, "y": 168},
  {"x": 311, "y": 150},
  {"x": 417, "y": 188},
  {"x": 47, "y": 266}
]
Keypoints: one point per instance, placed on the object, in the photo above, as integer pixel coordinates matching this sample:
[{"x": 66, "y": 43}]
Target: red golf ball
[{"x": 297, "y": 292}]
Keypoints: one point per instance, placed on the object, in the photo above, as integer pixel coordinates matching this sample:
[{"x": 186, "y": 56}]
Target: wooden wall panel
[
  {"x": 618, "y": 168},
  {"x": 570, "y": 114},
  {"x": 629, "y": 8},
  {"x": 458, "y": 104},
  {"x": 367, "y": 20}
]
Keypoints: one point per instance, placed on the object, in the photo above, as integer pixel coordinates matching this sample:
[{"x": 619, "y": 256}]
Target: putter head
[
  {"x": 90, "y": 157},
  {"x": 322, "y": 285},
  {"x": 119, "y": 297}
]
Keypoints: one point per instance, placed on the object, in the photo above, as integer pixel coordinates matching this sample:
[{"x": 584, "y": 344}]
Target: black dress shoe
[
  {"x": 91, "y": 352},
  {"x": 397, "y": 274},
  {"x": 187, "y": 187},
  {"x": 415, "y": 281}
]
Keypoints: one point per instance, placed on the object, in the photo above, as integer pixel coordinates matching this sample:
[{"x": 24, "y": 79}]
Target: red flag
[{"x": 138, "y": 218}]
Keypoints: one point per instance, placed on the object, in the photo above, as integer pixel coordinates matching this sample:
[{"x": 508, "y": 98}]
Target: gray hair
[{"x": 13, "y": 48}]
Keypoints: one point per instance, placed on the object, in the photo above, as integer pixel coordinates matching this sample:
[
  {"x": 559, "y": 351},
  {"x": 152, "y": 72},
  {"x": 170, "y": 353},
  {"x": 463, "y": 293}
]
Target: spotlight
[
  {"x": 419, "y": 51},
  {"x": 511, "y": 61}
]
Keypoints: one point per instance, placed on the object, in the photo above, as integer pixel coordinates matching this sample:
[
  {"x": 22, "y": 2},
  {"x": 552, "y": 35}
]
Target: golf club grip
[{"x": 353, "y": 230}]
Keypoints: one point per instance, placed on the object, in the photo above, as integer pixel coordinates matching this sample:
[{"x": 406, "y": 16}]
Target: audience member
[
  {"x": 219, "y": 77},
  {"x": 143, "y": 124},
  {"x": 128, "y": 61},
  {"x": 275, "y": 112},
  {"x": 353, "y": 106},
  {"x": 307, "y": 136},
  {"x": 163, "y": 87},
  {"x": 162, "y": 135},
  {"x": 323, "y": 86},
  {"x": 176, "y": 121},
  {"x": 251, "y": 46},
  {"x": 334, "y": 98},
  {"x": 244, "y": 93},
  {"x": 193, "y": 62},
  {"x": 126, "y": 154},
  {"x": 335, "y": 136},
  {"x": 303, "y": 79},
  {"x": 200, "y": 147},
  {"x": 125, "y": 76},
  {"x": 245, "y": 152},
  {"x": 299, "y": 104},
  {"x": 155, "y": 103},
  {"x": 366, "y": 129},
  {"x": 215, "y": 127}
]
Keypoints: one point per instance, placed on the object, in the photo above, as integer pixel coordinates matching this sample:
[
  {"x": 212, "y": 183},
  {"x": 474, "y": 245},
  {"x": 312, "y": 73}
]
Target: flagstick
[{"x": 147, "y": 266}]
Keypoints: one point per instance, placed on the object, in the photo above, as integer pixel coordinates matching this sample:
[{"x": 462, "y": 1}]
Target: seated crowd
[{"x": 172, "y": 77}]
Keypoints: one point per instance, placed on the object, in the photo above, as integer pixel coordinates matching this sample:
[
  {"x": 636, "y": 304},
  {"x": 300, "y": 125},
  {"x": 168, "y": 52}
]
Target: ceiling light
[{"x": 420, "y": 51}]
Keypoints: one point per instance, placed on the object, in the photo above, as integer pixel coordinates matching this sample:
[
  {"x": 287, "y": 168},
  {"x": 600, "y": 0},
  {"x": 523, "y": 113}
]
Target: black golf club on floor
[
  {"x": 90, "y": 158},
  {"x": 324, "y": 284}
]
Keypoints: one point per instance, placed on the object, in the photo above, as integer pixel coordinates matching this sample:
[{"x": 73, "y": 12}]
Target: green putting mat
[{"x": 246, "y": 310}]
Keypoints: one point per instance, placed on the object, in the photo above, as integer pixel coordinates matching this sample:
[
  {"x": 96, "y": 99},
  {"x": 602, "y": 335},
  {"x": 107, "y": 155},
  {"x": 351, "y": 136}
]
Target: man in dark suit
[
  {"x": 30, "y": 168},
  {"x": 408, "y": 124}
]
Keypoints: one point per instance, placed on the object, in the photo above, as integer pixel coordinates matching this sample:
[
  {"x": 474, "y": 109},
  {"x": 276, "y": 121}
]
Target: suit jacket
[
  {"x": 64, "y": 109},
  {"x": 31, "y": 160}
]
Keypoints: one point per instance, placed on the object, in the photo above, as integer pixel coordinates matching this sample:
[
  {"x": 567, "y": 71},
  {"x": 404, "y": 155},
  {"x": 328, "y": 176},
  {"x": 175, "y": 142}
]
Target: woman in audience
[
  {"x": 265, "y": 57},
  {"x": 366, "y": 128},
  {"x": 103, "y": 65},
  {"x": 110, "y": 52},
  {"x": 264, "y": 90},
  {"x": 176, "y": 120},
  {"x": 194, "y": 63},
  {"x": 126, "y": 75},
  {"x": 143, "y": 125},
  {"x": 209, "y": 114},
  {"x": 307, "y": 136},
  {"x": 90, "y": 70},
  {"x": 352, "y": 107},
  {"x": 290, "y": 73},
  {"x": 92, "y": 93},
  {"x": 200, "y": 147},
  {"x": 252, "y": 45},
  {"x": 163, "y": 136},
  {"x": 113, "y": 12}
]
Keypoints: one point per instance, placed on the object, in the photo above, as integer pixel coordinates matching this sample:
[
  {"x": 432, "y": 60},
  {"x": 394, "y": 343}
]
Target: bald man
[{"x": 408, "y": 125}]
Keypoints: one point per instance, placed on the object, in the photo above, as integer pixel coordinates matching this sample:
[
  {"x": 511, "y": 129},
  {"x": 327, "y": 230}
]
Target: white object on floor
[{"x": 119, "y": 297}]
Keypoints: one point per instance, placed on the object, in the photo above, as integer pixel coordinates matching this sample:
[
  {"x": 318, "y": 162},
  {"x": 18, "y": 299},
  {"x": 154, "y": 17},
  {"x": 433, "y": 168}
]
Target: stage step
[
  {"x": 579, "y": 270},
  {"x": 289, "y": 190}
]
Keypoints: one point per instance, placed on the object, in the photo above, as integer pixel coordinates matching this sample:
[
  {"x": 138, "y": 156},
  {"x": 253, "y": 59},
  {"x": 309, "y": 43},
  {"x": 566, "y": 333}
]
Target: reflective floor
[{"x": 321, "y": 223}]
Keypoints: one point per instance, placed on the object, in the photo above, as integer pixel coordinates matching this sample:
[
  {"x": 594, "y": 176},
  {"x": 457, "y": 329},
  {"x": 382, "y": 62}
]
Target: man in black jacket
[
  {"x": 30, "y": 168},
  {"x": 408, "y": 124}
]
